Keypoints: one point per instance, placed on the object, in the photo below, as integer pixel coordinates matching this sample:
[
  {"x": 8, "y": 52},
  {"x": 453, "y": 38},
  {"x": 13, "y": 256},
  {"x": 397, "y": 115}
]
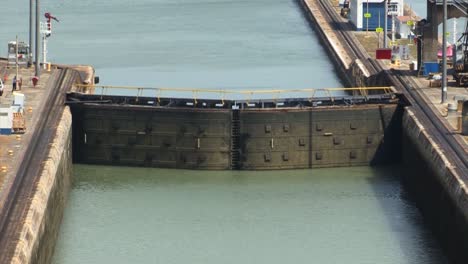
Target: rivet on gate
[{"x": 10, "y": 152}]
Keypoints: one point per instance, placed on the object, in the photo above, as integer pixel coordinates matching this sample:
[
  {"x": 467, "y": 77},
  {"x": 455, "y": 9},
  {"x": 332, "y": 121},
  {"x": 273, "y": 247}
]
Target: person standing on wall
[
  {"x": 1, "y": 87},
  {"x": 20, "y": 83},
  {"x": 14, "y": 83}
]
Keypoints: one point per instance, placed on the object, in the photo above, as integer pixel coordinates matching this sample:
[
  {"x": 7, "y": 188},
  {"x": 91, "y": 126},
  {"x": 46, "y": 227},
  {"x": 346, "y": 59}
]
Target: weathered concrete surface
[
  {"x": 41, "y": 225},
  {"x": 33, "y": 99},
  {"x": 351, "y": 70},
  {"x": 25, "y": 214},
  {"x": 464, "y": 119},
  {"x": 441, "y": 193}
]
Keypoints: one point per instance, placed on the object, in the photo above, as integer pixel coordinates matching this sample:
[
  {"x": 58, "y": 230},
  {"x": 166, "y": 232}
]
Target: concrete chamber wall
[
  {"x": 437, "y": 188},
  {"x": 290, "y": 138},
  {"x": 352, "y": 72},
  {"x": 42, "y": 221}
]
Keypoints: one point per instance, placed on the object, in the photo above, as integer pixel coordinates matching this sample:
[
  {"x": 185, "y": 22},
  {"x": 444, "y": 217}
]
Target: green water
[
  {"x": 345, "y": 215},
  {"x": 182, "y": 43},
  {"x": 132, "y": 215}
]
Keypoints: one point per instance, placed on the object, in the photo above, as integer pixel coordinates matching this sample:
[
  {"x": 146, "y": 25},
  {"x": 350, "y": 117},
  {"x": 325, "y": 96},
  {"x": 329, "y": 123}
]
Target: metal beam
[{"x": 444, "y": 54}]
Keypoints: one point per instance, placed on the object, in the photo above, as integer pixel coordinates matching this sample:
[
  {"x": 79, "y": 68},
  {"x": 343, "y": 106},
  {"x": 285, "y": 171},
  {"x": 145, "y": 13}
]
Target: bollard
[
  {"x": 465, "y": 118},
  {"x": 49, "y": 65},
  {"x": 35, "y": 79}
]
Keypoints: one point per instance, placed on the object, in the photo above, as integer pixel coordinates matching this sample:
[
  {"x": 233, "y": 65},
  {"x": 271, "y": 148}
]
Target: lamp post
[
  {"x": 444, "y": 53},
  {"x": 30, "y": 60},
  {"x": 38, "y": 68},
  {"x": 385, "y": 23},
  {"x": 16, "y": 59}
]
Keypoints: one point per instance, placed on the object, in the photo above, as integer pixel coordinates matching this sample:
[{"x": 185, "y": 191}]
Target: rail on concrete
[
  {"x": 441, "y": 149},
  {"x": 15, "y": 198},
  {"x": 403, "y": 84}
]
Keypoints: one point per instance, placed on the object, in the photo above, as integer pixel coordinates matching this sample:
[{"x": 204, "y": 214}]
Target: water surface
[
  {"x": 183, "y": 43},
  {"x": 132, "y": 215},
  {"x": 347, "y": 215}
]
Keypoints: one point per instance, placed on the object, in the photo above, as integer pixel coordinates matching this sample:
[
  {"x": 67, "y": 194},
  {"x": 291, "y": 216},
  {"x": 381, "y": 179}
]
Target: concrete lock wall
[
  {"x": 203, "y": 139},
  {"x": 464, "y": 117},
  {"x": 439, "y": 191},
  {"x": 42, "y": 222},
  {"x": 351, "y": 72}
]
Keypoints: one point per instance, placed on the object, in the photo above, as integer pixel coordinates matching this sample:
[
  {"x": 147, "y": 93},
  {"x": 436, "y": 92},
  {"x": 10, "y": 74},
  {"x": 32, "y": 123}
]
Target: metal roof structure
[{"x": 462, "y": 5}]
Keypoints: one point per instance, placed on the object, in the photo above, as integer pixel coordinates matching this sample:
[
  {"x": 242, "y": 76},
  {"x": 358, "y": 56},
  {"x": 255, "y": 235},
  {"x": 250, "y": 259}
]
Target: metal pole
[
  {"x": 44, "y": 50},
  {"x": 454, "y": 31},
  {"x": 378, "y": 45},
  {"x": 16, "y": 55},
  {"x": 367, "y": 19},
  {"x": 38, "y": 68},
  {"x": 385, "y": 24},
  {"x": 31, "y": 14},
  {"x": 444, "y": 53}
]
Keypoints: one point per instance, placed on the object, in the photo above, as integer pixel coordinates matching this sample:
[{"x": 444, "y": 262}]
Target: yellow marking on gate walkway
[{"x": 106, "y": 90}]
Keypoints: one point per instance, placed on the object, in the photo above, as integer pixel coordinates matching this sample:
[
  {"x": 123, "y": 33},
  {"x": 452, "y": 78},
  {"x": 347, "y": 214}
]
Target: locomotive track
[
  {"x": 17, "y": 199},
  {"x": 404, "y": 84},
  {"x": 357, "y": 52},
  {"x": 440, "y": 132}
]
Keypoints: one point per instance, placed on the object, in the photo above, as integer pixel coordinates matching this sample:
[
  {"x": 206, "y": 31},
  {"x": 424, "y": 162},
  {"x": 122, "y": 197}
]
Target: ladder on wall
[{"x": 235, "y": 139}]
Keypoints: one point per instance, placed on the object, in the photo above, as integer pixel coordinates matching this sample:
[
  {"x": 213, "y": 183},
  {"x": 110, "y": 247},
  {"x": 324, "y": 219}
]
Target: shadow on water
[{"x": 403, "y": 217}]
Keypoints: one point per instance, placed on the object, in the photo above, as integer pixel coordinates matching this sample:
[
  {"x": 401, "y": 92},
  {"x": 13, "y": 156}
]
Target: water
[
  {"x": 131, "y": 215},
  {"x": 347, "y": 215},
  {"x": 183, "y": 43}
]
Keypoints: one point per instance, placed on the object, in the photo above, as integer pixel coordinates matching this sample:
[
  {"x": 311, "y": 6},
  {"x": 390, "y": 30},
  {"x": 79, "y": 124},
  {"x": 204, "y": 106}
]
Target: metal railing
[{"x": 222, "y": 94}]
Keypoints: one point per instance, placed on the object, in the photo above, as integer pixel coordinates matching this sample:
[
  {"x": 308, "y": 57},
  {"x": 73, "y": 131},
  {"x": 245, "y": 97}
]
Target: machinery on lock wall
[{"x": 460, "y": 73}]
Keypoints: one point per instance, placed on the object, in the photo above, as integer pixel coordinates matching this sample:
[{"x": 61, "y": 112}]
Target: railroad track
[
  {"x": 406, "y": 84},
  {"x": 403, "y": 83},
  {"x": 29, "y": 164},
  {"x": 442, "y": 134},
  {"x": 357, "y": 52}
]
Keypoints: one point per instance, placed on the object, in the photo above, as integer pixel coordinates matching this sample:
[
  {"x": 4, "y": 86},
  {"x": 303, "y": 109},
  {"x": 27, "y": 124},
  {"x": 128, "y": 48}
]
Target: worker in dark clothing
[
  {"x": 14, "y": 83},
  {"x": 20, "y": 83},
  {"x": 1, "y": 87}
]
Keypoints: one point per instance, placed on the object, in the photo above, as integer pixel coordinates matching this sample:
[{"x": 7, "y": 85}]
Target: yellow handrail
[
  {"x": 385, "y": 89},
  {"x": 249, "y": 93}
]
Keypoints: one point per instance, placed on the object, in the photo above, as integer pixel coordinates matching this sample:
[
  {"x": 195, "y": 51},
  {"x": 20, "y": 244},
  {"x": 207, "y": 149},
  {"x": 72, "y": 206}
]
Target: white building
[{"x": 405, "y": 26}]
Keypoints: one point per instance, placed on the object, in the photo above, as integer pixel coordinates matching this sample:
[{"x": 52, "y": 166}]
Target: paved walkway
[
  {"x": 432, "y": 95},
  {"x": 11, "y": 144}
]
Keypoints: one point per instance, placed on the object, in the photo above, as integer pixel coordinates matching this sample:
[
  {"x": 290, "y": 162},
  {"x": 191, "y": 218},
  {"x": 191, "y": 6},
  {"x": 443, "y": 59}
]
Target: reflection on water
[{"x": 346, "y": 215}]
